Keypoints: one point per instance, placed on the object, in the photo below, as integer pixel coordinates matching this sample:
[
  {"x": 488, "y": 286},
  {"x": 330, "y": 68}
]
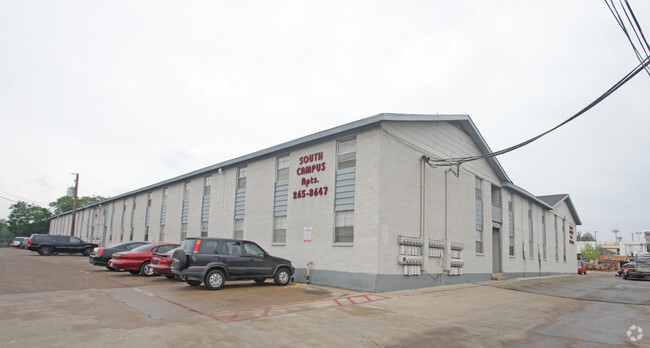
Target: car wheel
[
  {"x": 45, "y": 251},
  {"x": 193, "y": 282},
  {"x": 214, "y": 280},
  {"x": 146, "y": 270},
  {"x": 134, "y": 272},
  {"x": 260, "y": 280},
  {"x": 585, "y": 272},
  {"x": 283, "y": 277},
  {"x": 87, "y": 251},
  {"x": 179, "y": 260}
]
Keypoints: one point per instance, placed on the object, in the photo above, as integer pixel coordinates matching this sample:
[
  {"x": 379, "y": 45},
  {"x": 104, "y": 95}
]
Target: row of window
[
  {"x": 344, "y": 203},
  {"x": 496, "y": 201}
]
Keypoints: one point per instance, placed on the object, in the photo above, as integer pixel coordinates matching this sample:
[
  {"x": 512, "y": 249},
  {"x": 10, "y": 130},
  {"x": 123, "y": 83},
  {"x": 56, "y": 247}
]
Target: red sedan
[
  {"x": 162, "y": 264},
  {"x": 136, "y": 261}
]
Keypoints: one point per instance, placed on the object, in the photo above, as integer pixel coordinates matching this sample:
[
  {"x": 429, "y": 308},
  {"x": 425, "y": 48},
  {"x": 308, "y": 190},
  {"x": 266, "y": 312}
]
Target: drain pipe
[{"x": 308, "y": 264}]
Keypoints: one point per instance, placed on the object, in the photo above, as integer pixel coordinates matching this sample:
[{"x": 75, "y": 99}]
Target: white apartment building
[{"x": 363, "y": 203}]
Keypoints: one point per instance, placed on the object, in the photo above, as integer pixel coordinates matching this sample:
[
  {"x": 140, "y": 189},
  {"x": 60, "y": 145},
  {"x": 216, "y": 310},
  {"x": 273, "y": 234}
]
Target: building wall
[{"x": 396, "y": 194}]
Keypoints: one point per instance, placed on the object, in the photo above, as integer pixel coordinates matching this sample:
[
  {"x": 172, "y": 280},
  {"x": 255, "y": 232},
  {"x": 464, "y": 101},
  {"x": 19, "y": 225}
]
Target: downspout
[
  {"x": 446, "y": 260},
  {"x": 422, "y": 211}
]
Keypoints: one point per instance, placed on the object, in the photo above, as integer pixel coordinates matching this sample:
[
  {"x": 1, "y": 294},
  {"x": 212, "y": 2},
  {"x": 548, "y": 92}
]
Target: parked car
[
  {"x": 212, "y": 261},
  {"x": 582, "y": 267},
  {"x": 48, "y": 244},
  {"x": 101, "y": 255},
  {"x": 161, "y": 264},
  {"x": 17, "y": 241},
  {"x": 136, "y": 261},
  {"x": 640, "y": 268},
  {"x": 24, "y": 244},
  {"x": 626, "y": 269}
]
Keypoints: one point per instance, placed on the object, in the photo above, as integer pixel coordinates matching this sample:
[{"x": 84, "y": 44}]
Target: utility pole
[
  {"x": 74, "y": 203},
  {"x": 616, "y": 232}
]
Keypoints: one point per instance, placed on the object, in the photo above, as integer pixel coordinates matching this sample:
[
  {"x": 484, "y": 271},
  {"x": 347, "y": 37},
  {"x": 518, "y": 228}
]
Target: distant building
[
  {"x": 631, "y": 248},
  {"x": 611, "y": 248},
  {"x": 364, "y": 202}
]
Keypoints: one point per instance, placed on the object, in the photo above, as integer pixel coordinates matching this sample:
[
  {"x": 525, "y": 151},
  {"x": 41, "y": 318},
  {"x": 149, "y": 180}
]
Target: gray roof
[
  {"x": 555, "y": 200},
  {"x": 351, "y": 128}
]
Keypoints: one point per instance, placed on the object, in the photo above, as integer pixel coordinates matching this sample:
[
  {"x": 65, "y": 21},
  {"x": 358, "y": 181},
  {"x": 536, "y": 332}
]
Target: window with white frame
[
  {"x": 478, "y": 193},
  {"x": 344, "y": 196},
  {"x": 281, "y": 200},
  {"x": 344, "y": 227},
  {"x": 557, "y": 254},
  {"x": 241, "y": 178},
  {"x": 531, "y": 233},
  {"x": 544, "y": 235},
  {"x": 238, "y": 232},
  {"x": 511, "y": 225},
  {"x": 280, "y": 229},
  {"x": 282, "y": 168}
]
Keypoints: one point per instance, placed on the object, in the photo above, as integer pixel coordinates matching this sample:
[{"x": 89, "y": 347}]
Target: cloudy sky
[{"x": 129, "y": 93}]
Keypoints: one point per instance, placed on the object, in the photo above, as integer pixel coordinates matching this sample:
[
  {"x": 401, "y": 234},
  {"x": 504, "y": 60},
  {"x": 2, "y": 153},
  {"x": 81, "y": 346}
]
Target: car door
[
  {"x": 257, "y": 261},
  {"x": 74, "y": 245},
  {"x": 233, "y": 256},
  {"x": 62, "y": 243}
]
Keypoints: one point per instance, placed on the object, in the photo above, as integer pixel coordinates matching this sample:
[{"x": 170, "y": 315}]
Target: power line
[
  {"x": 635, "y": 27},
  {"x": 460, "y": 160}
]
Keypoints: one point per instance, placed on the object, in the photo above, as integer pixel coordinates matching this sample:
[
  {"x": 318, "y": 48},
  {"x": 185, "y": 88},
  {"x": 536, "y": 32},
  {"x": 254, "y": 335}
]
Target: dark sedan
[{"x": 101, "y": 255}]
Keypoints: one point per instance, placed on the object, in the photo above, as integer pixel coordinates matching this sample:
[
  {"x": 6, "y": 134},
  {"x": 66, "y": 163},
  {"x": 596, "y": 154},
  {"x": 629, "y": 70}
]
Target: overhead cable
[
  {"x": 460, "y": 160},
  {"x": 635, "y": 27}
]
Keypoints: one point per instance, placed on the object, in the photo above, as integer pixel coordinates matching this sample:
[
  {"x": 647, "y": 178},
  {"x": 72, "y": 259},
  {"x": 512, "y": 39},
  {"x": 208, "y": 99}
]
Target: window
[
  {"x": 280, "y": 201},
  {"x": 282, "y": 168},
  {"x": 564, "y": 238},
  {"x": 239, "y": 229},
  {"x": 205, "y": 205},
  {"x": 163, "y": 207},
  {"x": 557, "y": 254},
  {"x": 253, "y": 249},
  {"x": 531, "y": 234},
  {"x": 183, "y": 232},
  {"x": 241, "y": 178},
  {"x": 207, "y": 182},
  {"x": 280, "y": 229},
  {"x": 347, "y": 154},
  {"x": 208, "y": 246},
  {"x": 344, "y": 196},
  {"x": 204, "y": 229},
  {"x": 344, "y": 227},
  {"x": 511, "y": 225},
  {"x": 478, "y": 193},
  {"x": 544, "y": 235},
  {"x": 233, "y": 248}
]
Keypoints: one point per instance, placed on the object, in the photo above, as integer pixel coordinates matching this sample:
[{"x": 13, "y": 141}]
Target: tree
[
  {"x": 587, "y": 237},
  {"x": 64, "y": 204},
  {"x": 26, "y": 219},
  {"x": 590, "y": 252}
]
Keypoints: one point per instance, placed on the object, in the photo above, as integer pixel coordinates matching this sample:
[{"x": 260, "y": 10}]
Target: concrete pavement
[{"x": 101, "y": 308}]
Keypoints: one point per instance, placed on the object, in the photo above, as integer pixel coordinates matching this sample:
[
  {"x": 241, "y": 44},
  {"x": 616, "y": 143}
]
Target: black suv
[
  {"x": 47, "y": 244},
  {"x": 212, "y": 261}
]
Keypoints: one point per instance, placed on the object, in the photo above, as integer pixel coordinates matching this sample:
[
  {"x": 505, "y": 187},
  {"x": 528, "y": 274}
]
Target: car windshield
[{"x": 144, "y": 247}]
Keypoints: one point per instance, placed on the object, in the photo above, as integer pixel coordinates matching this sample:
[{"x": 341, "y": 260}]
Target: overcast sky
[{"x": 130, "y": 93}]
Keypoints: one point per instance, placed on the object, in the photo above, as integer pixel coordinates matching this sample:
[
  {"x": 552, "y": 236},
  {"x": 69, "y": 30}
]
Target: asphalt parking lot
[{"x": 64, "y": 301}]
